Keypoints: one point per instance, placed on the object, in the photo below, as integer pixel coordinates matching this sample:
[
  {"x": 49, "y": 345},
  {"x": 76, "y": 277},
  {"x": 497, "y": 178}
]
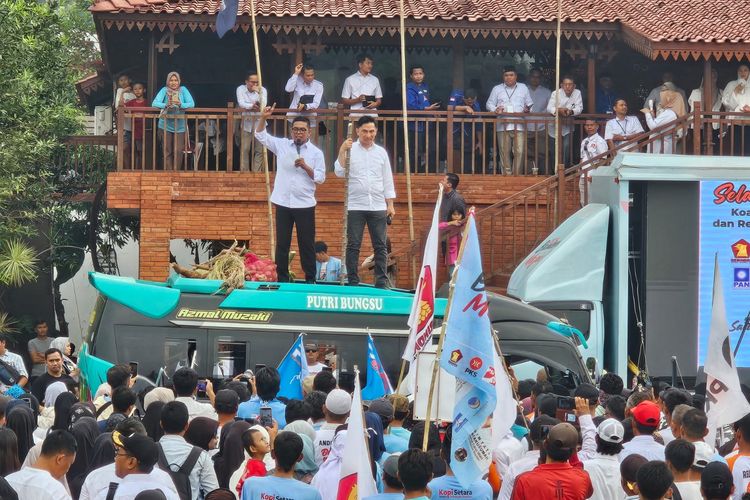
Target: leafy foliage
[{"x": 17, "y": 263}]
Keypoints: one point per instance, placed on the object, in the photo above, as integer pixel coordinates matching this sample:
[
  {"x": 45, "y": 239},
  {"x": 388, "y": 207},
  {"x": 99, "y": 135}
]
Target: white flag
[
  {"x": 506, "y": 407},
  {"x": 423, "y": 308},
  {"x": 356, "y": 481},
  {"x": 725, "y": 403}
]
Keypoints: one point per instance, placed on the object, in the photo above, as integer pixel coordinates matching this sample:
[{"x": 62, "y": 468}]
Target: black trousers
[
  {"x": 286, "y": 219},
  {"x": 376, "y": 225}
]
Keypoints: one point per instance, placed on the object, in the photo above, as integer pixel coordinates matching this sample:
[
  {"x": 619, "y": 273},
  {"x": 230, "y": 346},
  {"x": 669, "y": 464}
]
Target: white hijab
[
  {"x": 52, "y": 392},
  {"x": 326, "y": 481}
]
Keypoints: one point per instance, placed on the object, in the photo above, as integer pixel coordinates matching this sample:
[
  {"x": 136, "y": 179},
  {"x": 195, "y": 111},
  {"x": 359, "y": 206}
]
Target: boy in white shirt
[
  {"x": 42, "y": 480},
  {"x": 591, "y": 147}
]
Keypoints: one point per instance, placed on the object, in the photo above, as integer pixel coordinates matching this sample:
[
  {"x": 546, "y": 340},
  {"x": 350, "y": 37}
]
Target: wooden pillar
[
  {"x": 299, "y": 54},
  {"x": 591, "y": 79},
  {"x": 151, "y": 91},
  {"x": 707, "y": 104},
  {"x": 458, "y": 64}
]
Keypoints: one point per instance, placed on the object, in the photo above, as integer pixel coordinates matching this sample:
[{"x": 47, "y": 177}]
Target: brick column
[{"x": 156, "y": 220}]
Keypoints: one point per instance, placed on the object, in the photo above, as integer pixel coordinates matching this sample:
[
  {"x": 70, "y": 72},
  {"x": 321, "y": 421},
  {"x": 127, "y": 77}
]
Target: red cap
[{"x": 647, "y": 413}]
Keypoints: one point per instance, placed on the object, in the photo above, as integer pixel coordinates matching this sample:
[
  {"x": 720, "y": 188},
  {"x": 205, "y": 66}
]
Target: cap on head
[
  {"x": 339, "y": 402},
  {"x": 142, "y": 448},
  {"x": 390, "y": 466},
  {"x": 611, "y": 431},
  {"x": 382, "y": 407},
  {"x": 562, "y": 437},
  {"x": 647, "y": 413}
]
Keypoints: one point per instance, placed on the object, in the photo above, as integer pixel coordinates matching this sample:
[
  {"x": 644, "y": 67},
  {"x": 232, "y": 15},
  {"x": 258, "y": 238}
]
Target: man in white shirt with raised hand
[
  {"x": 299, "y": 168},
  {"x": 370, "y": 198},
  {"x": 307, "y": 92},
  {"x": 185, "y": 382},
  {"x": 604, "y": 466},
  {"x": 14, "y": 360},
  {"x": 177, "y": 451},
  {"x": 250, "y": 98},
  {"x": 362, "y": 89},
  {"x": 98, "y": 481},
  {"x": 43, "y": 480},
  {"x": 510, "y": 97},
  {"x": 622, "y": 127},
  {"x": 566, "y": 102},
  {"x": 135, "y": 458}
]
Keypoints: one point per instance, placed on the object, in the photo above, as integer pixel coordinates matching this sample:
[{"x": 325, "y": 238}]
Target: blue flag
[
  {"x": 293, "y": 370},
  {"x": 468, "y": 355},
  {"x": 227, "y": 16},
  {"x": 378, "y": 384}
]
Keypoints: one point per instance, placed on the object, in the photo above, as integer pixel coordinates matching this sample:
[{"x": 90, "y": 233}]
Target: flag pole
[
  {"x": 407, "y": 165},
  {"x": 507, "y": 373},
  {"x": 441, "y": 339},
  {"x": 345, "y": 223},
  {"x": 272, "y": 237}
]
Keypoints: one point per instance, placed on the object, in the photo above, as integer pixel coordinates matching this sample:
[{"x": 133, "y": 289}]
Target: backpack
[
  {"x": 8, "y": 374},
  {"x": 181, "y": 476}
]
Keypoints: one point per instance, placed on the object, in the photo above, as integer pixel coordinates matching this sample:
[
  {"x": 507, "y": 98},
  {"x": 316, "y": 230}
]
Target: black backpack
[{"x": 181, "y": 476}]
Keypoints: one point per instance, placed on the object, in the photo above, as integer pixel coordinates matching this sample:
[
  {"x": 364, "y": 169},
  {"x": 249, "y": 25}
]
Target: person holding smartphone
[
  {"x": 266, "y": 385},
  {"x": 186, "y": 387}
]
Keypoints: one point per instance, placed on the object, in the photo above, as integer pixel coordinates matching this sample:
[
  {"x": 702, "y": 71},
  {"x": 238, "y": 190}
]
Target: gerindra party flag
[
  {"x": 293, "y": 370},
  {"x": 378, "y": 384},
  {"x": 468, "y": 354},
  {"x": 356, "y": 481}
]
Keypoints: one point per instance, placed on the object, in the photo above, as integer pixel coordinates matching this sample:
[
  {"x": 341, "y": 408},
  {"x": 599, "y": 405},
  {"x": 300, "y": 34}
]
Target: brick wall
[{"x": 227, "y": 206}]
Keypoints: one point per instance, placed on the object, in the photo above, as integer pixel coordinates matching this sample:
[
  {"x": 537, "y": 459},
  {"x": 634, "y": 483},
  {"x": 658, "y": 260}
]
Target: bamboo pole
[
  {"x": 507, "y": 374},
  {"x": 558, "y": 135},
  {"x": 441, "y": 339},
  {"x": 345, "y": 222},
  {"x": 271, "y": 234},
  {"x": 407, "y": 165}
]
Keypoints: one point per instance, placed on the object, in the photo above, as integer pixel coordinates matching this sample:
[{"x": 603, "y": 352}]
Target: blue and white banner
[
  {"x": 378, "y": 384},
  {"x": 468, "y": 354},
  {"x": 293, "y": 370},
  {"x": 725, "y": 233}
]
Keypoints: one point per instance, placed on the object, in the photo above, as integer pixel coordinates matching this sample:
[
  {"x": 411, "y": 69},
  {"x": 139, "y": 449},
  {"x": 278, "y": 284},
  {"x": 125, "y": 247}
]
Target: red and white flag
[
  {"x": 356, "y": 481},
  {"x": 423, "y": 308},
  {"x": 725, "y": 403}
]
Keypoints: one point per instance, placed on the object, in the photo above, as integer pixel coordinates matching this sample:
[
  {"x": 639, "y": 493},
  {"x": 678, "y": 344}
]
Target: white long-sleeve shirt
[
  {"x": 512, "y": 100},
  {"x": 299, "y": 87},
  {"x": 591, "y": 147},
  {"x": 604, "y": 471},
  {"x": 97, "y": 481},
  {"x": 574, "y": 102},
  {"x": 370, "y": 178},
  {"x": 203, "y": 476},
  {"x": 662, "y": 118},
  {"x": 735, "y": 102},
  {"x": 540, "y": 96},
  {"x": 247, "y": 100},
  {"x": 293, "y": 188}
]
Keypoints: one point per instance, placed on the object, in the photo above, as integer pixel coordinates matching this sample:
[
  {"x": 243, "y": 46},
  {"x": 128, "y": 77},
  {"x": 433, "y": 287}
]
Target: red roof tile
[{"x": 655, "y": 20}]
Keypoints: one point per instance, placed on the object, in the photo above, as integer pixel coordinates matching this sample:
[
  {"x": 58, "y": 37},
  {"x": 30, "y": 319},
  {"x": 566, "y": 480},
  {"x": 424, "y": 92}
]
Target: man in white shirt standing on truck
[
  {"x": 250, "y": 98},
  {"x": 307, "y": 92},
  {"x": 362, "y": 89},
  {"x": 370, "y": 198}
]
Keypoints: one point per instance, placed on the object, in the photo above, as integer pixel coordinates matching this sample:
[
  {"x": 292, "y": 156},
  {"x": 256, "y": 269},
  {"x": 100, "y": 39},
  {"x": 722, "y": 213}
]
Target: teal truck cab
[{"x": 190, "y": 322}]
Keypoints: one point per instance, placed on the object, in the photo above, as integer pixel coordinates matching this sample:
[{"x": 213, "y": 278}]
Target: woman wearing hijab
[
  {"x": 326, "y": 481},
  {"x": 231, "y": 453},
  {"x": 20, "y": 420},
  {"x": 736, "y": 99},
  {"x": 69, "y": 367},
  {"x": 63, "y": 407},
  {"x": 85, "y": 431},
  {"x": 152, "y": 420},
  {"x": 47, "y": 415},
  {"x": 9, "y": 462},
  {"x": 162, "y": 394},
  {"x": 202, "y": 433},
  {"x": 671, "y": 107},
  {"x": 173, "y": 99},
  {"x": 306, "y": 468}
]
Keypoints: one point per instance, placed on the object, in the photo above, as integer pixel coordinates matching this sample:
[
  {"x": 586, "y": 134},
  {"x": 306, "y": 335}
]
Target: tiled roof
[{"x": 722, "y": 21}]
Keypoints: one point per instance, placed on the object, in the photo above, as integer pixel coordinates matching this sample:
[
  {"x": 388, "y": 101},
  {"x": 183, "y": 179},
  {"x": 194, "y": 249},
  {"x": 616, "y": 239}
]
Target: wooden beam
[
  {"x": 707, "y": 104},
  {"x": 458, "y": 64},
  {"x": 151, "y": 67},
  {"x": 591, "y": 80}
]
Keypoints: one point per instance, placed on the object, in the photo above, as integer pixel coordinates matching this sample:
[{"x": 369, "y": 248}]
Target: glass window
[{"x": 231, "y": 358}]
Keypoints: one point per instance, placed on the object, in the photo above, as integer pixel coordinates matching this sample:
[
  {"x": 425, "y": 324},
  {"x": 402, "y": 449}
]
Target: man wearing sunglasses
[
  {"x": 135, "y": 458},
  {"x": 299, "y": 168},
  {"x": 313, "y": 365}
]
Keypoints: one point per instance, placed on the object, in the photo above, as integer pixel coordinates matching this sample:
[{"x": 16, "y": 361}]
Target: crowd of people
[
  {"x": 243, "y": 441},
  {"x": 521, "y": 145}
]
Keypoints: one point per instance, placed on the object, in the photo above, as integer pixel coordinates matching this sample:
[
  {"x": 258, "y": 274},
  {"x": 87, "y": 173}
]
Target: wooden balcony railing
[{"x": 439, "y": 141}]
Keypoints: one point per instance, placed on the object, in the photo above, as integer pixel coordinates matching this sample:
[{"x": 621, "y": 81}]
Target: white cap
[
  {"x": 611, "y": 431},
  {"x": 704, "y": 454},
  {"x": 339, "y": 402}
]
